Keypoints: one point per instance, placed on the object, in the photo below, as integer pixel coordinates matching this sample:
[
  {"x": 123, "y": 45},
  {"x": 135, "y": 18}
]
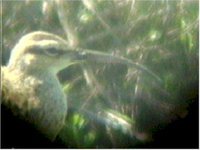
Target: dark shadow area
[
  {"x": 182, "y": 133},
  {"x": 17, "y": 133}
]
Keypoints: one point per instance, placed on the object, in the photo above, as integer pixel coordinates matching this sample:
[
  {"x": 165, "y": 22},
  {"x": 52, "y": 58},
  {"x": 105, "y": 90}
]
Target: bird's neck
[
  {"x": 27, "y": 80},
  {"x": 40, "y": 94},
  {"x": 23, "y": 70}
]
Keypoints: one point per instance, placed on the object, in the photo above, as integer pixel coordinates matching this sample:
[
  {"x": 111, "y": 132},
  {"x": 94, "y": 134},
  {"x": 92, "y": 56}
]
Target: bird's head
[{"x": 43, "y": 51}]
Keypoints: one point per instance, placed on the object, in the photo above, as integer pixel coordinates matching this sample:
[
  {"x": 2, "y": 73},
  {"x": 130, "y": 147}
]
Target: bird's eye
[{"x": 53, "y": 52}]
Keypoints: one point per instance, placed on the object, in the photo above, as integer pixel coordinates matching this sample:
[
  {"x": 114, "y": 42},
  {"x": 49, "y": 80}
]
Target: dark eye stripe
[
  {"x": 46, "y": 51},
  {"x": 53, "y": 51}
]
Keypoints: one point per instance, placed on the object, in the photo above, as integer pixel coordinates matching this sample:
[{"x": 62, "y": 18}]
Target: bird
[
  {"x": 30, "y": 78},
  {"x": 31, "y": 82}
]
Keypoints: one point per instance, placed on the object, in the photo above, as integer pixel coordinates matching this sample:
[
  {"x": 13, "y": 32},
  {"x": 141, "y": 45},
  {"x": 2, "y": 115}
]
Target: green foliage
[
  {"x": 161, "y": 35},
  {"x": 76, "y": 133}
]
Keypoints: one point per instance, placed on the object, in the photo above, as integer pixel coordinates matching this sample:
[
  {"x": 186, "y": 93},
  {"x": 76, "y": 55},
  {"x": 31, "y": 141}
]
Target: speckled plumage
[{"x": 31, "y": 85}]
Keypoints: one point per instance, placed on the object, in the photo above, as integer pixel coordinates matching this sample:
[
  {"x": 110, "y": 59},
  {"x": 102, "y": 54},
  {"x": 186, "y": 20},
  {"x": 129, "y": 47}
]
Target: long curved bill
[{"x": 100, "y": 57}]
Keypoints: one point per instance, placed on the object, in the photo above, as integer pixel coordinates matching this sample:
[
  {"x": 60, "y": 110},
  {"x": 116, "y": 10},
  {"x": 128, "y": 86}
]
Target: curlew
[{"x": 30, "y": 80}]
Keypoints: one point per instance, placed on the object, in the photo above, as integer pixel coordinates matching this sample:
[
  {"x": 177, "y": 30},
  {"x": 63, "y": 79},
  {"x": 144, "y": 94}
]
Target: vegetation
[{"x": 113, "y": 105}]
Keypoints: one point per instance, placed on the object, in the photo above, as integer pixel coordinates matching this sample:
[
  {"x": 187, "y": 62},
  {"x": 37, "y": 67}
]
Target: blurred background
[{"x": 113, "y": 105}]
